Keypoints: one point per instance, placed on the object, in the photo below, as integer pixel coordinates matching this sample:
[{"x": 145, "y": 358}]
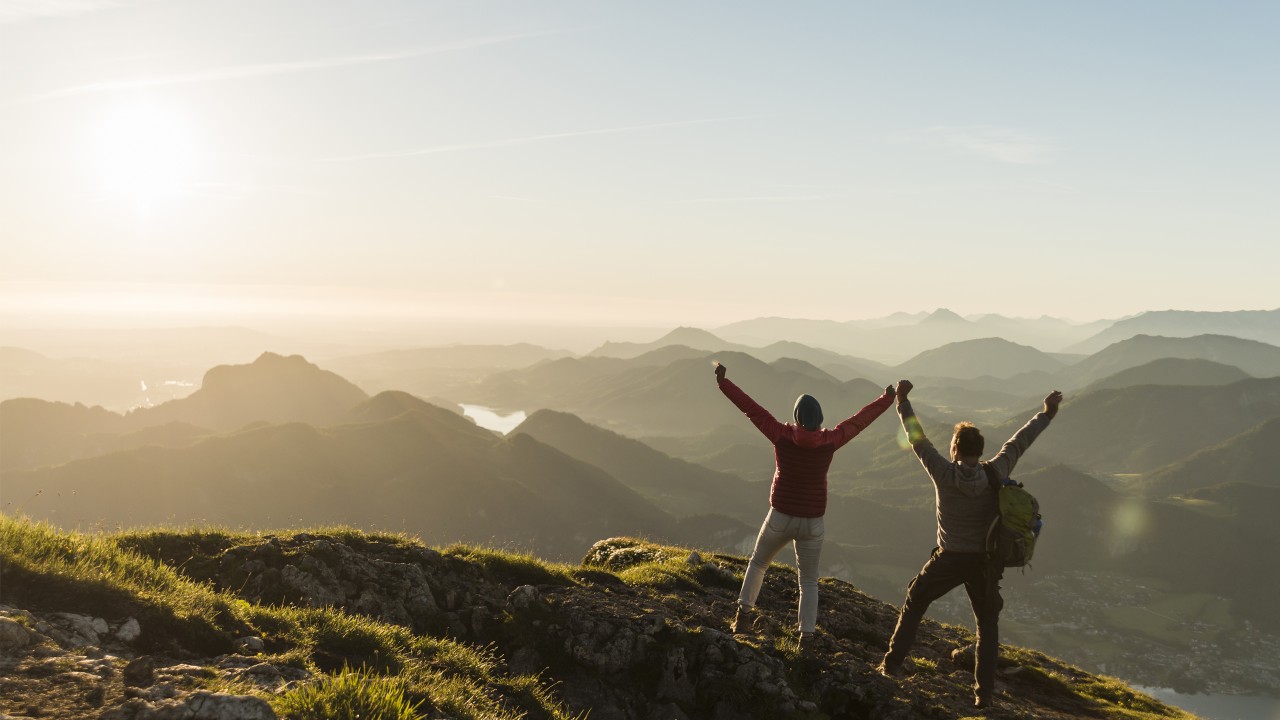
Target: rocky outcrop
[
  {"x": 68, "y": 665},
  {"x": 636, "y": 632}
]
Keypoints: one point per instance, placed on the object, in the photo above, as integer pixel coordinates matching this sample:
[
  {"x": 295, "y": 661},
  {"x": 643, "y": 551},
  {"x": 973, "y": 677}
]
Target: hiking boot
[
  {"x": 743, "y": 620},
  {"x": 893, "y": 672},
  {"x": 805, "y": 643}
]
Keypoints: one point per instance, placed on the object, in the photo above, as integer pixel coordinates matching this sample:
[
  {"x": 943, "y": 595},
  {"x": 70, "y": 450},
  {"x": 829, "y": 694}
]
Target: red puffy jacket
[{"x": 802, "y": 456}]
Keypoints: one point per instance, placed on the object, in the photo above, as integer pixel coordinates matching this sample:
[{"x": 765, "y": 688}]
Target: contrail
[
  {"x": 233, "y": 72},
  {"x": 532, "y": 139}
]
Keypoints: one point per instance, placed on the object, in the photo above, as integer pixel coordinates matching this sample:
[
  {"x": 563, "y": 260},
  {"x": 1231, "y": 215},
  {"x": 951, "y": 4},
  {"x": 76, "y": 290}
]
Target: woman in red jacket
[{"x": 798, "y": 497}]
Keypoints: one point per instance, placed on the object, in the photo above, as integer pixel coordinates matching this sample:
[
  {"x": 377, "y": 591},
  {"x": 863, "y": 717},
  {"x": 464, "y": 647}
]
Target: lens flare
[{"x": 1128, "y": 525}]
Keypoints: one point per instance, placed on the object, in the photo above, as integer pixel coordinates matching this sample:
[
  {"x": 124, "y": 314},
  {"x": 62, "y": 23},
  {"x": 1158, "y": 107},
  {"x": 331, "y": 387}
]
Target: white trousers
[{"x": 806, "y": 534}]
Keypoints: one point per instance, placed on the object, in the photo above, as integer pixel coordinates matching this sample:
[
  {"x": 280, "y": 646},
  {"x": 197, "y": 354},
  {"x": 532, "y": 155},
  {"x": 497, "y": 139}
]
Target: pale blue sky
[{"x": 654, "y": 163}]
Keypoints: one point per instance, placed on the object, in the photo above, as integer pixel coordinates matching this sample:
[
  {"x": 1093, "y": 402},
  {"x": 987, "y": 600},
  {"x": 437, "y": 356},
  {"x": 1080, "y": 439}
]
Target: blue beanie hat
[{"x": 807, "y": 412}]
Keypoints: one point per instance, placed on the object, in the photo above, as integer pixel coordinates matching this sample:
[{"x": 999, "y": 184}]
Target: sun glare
[{"x": 143, "y": 152}]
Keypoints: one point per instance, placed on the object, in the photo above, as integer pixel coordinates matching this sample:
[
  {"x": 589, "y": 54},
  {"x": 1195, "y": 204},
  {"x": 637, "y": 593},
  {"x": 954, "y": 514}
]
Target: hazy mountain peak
[
  {"x": 393, "y": 403},
  {"x": 991, "y": 356},
  {"x": 274, "y": 388},
  {"x": 691, "y": 336},
  {"x": 941, "y": 316},
  {"x": 266, "y": 363}
]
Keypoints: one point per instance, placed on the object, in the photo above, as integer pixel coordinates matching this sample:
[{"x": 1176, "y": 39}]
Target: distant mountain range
[
  {"x": 409, "y": 466},
  {"x": 1260, "y": 325},
  {"x": 844, "y": 367},
  {"x": 638, "y": 399},
  {"x": 1255, "y": 358},
  {"x": 903, "y": 336}
]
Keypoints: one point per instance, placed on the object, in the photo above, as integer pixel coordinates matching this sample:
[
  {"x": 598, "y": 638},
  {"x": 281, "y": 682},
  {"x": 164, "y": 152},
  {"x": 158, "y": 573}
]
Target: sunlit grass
[
  {"x": 349, "y": 695},
  {"x": 521, "y": 568},
  {"x": 42, "y": 568}
]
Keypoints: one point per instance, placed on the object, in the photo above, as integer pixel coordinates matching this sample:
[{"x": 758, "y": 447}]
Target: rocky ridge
[{"x": 636, "y": 632}]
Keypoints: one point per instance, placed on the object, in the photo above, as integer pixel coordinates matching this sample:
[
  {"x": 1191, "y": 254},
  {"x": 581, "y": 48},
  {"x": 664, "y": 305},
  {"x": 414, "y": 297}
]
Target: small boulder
[
  {"x": 251, "y": 643},
  {"x": 71, "y": 630},
  {"x": 13, "y": 636},
  {"x": 524, "y": 598},
  {"x": 129, "y": 631},
  {"x": 140, "y": 672}
]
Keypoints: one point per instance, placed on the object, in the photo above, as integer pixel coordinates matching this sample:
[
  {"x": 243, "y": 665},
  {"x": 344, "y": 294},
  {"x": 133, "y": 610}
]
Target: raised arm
[
  {"x": 1012, "y": 450},
  {"x": 849, "y": 429},
  {"x": 765, "y": 422},
  {"x": 933, "y": 461}
]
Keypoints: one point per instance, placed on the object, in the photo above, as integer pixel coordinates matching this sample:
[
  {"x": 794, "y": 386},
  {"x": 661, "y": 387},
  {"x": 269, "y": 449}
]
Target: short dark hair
[{"x": 967, "y": 441}]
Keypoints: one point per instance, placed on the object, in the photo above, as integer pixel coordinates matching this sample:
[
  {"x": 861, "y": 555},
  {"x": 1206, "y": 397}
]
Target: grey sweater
[{"x": 966, "y": 503}]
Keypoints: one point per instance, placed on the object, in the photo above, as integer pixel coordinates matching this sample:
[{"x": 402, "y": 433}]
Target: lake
[
  {"x": 490, "y": 419},
  {"x": 1220, "y": 707}
]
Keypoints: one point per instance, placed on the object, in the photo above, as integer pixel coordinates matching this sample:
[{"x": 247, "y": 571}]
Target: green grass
[
  {"x": 640, "y": 563},
  {"x": 1113, "y": 698},
  {"x": 349, "y": 695},
  {"x": 514, "y": 567},
  {"x": 195, "y": 551},
  {"x": 925, "y": 665},
  {"x": 44, "y": 569}
]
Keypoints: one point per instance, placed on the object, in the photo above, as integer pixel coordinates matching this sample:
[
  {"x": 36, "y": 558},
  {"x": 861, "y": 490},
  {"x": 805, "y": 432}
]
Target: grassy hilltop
[{"x": 338, "y": 623}]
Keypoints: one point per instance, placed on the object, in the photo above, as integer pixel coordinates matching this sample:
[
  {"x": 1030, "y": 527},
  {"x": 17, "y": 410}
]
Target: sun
[{"x": 143, "y": 152}]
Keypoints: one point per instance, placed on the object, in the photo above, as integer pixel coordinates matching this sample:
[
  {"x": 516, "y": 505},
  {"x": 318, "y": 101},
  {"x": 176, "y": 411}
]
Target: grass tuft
[
  {"x": 349, "y": 695},
  {"x": 514, "y": 567}
]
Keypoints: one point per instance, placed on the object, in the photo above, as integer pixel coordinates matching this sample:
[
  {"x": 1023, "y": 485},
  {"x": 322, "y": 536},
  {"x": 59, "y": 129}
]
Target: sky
[{"x": 642, "y": 163}]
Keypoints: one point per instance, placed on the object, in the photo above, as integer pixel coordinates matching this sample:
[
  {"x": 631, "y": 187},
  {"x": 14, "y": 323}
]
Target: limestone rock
[
  {"x": 252, "y": 644},
  {"x": 13, "y": 636},
  {"x": 129, "y": 631},
  {"x": 196, "y": 706},
  {"x": 524, "y": 598},
  {"x": 74, "y": 631}
]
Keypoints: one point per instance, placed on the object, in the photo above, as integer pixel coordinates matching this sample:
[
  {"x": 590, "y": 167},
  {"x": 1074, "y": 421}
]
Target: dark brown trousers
[{"x": 945, "y": 571}]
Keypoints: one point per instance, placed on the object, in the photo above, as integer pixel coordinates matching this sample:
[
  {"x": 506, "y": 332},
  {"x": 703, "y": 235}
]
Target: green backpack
[{"x": 1011, "y": 539}]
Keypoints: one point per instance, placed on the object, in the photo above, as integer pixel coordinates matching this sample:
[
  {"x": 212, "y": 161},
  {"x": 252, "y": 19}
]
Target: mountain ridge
[{"x": 634, "y": 630}]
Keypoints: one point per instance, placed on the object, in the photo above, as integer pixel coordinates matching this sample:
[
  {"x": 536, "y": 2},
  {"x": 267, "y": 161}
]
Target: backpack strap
[
  {"x": 994, "y": 564},
  {"x": 993, "y": 479}
]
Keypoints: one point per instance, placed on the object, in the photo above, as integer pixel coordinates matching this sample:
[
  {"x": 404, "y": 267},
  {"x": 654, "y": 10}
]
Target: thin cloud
[
  {"x": 756, "y": 198},
  {"x": 17, "y": 10},
  {"x": 1002, "y": 144},
  {"x": 233, "y": 72},
  {"x": 529, "y": 139}
]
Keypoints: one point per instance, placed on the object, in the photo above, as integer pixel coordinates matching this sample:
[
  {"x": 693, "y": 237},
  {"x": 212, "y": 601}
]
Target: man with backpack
[{"x": 967, "y": 493}]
